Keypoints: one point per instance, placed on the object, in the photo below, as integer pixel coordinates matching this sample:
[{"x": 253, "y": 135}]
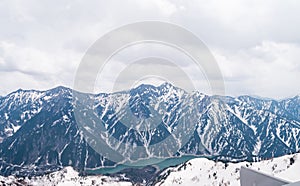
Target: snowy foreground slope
[
  {"x": 199, "y": 171},
  {"x": 65, "y": 177},
  {"x": 202, "y": 171}
]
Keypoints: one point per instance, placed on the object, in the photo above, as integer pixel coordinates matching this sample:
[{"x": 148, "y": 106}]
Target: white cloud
[
  {"x": 166, "y": 7},
  {"x": 269, "y": 69},
  {"x": 25, "y": 67},
  {"x": 255, "y": 42}
]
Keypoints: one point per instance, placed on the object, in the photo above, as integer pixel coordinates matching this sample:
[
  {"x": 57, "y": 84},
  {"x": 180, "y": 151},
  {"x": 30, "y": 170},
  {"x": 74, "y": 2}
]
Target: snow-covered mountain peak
[{"x": 42, "y": 125}]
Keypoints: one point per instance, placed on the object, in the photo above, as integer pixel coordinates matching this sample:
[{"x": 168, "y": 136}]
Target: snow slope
[
  {"x": 202, "y": 171},
  {"x": 65, "y": 177}
]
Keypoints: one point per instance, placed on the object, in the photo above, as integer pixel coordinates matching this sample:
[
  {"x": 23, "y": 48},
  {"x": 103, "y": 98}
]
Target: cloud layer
[{"x": 256, "y": 44}]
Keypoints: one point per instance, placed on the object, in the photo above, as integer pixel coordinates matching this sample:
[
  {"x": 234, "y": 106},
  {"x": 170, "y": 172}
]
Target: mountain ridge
[
  {"x": 231, "y": 128},
  {"x": 150, "y": 85}
]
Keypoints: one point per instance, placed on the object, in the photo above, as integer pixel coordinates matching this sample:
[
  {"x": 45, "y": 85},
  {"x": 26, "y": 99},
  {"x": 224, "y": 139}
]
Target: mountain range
[{"x": 44, "y": 131}]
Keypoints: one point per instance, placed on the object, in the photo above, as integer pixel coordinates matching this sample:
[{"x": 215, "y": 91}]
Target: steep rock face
[
  {"x": 49, "y": 140},
  {"x": 16, "y": 108},
  {"x": 248, "y": 127},
  {"x": 41, "y": 134}
]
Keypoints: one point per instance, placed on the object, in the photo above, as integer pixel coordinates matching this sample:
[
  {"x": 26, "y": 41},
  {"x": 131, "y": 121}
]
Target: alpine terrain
[{"x": 45, "y": 131}]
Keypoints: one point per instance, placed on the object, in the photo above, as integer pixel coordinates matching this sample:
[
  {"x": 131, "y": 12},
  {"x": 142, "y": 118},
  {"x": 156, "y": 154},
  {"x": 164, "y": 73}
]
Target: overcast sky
[{"x": 255, "y": 43}]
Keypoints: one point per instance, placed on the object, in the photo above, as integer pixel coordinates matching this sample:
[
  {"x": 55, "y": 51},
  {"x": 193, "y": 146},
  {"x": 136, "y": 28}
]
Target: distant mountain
[
  {"x": 48, "y": 137},
  {"x": 40, "y": 132}
]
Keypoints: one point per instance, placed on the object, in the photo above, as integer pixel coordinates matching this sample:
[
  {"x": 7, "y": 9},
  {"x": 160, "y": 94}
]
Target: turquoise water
[{"x": 159, "y": 163}]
